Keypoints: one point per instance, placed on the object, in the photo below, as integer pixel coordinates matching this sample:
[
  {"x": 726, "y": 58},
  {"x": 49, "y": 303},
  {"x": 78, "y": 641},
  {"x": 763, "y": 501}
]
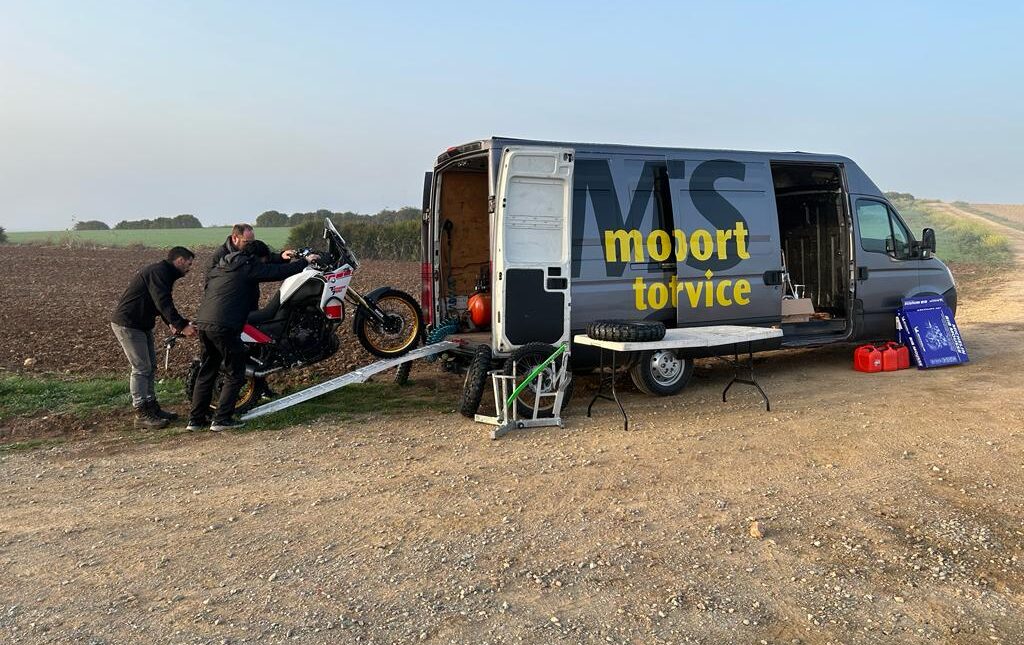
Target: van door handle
[
  {"x": 772, "y": 278},
  {"x": 862, "y": 273}
]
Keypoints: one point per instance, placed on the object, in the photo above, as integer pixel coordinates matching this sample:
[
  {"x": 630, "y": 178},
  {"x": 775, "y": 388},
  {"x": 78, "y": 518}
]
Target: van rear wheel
[
  {"x": 253, "y": 389},
  {"x": 661, "y": 372}
]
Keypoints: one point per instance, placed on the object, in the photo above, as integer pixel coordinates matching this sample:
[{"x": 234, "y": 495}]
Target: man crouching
[
  {"x": 147, "y": 296},
  {"x": 232, "y": 291}
]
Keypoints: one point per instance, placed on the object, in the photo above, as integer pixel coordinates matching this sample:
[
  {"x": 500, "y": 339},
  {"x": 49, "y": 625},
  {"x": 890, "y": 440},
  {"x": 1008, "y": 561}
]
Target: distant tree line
[
  {"x": 266, "y": 219},
  {"x": 272, "y": 219},
  {"x": 178, "y": 221},
  {"x": 388, "y": 235},
  {"x": 92, "y": 225},
  {"x": 894, "y": 196},
  {"x": 385, "y": 216},
  {"x": 3, "y": 235}
]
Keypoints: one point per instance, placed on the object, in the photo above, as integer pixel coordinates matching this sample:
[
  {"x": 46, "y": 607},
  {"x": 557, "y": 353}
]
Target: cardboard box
[{"x": 796, "y": 310}]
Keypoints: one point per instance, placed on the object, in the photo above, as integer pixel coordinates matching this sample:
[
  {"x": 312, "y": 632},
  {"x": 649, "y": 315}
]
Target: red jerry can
[
  {"x": 902, "y": 355},
  {"x": 890, "y": 362},
  {"x": 867, "y": 358}
]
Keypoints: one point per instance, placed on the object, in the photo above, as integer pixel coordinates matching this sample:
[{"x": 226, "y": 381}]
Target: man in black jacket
[
  {"x": 232, "y": 291},
  {"x": 149, "y": 295},
  {"x": 242, "y": 234}
]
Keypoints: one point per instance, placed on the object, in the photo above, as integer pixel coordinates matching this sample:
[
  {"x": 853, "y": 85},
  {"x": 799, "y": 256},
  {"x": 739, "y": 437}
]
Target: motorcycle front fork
[{"x": 362, "y": 304}]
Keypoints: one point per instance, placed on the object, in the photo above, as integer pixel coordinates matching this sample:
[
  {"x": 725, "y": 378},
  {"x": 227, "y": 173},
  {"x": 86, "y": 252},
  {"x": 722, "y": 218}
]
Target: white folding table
[{"x": 734, "y": 337}]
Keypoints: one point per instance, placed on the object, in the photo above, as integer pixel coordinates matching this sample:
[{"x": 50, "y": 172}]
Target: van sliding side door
[
  {"x": 532, "y": 256},
  {"x": 726, "y": 242}
]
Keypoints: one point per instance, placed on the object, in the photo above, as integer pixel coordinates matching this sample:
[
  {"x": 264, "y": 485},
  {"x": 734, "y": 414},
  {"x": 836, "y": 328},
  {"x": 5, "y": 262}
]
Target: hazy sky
[{"x": 124, "y": 110}]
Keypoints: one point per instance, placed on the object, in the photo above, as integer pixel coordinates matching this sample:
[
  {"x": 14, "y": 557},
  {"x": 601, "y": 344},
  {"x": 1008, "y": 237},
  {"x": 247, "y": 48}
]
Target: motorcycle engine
[{"x": 311, "y": 337}]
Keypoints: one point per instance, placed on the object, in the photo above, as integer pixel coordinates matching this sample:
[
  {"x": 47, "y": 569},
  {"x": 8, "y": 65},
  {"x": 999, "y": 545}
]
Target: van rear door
[
  {"x": 531, "y": 255},
  {"x": 426, "y": 253}
]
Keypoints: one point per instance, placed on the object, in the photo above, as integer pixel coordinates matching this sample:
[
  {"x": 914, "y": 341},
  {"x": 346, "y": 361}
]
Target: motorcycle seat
[{"x": 267, "y": 313}]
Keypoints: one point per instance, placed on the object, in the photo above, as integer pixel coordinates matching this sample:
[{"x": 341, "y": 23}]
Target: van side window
[
  {"x": 881, "y": 230},
  {"x": 900, "y": 236}
]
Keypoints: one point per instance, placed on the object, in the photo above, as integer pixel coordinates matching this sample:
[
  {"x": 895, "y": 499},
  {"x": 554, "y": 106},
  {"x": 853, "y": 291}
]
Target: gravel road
[{"x": 890, "y": 508}]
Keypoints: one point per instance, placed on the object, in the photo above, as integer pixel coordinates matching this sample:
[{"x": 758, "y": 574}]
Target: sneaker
[
  {"x": 195, "y": 425},
  {"x": 160, "y": 412},
  {"x": 230, "y": 424},
  {"x": 144, "y": 418}
]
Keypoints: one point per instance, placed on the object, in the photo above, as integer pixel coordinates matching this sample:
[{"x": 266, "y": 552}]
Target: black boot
[
  {"x": 163, "y": 414},
  {"x": 196, "y": 424},
  {"x": 146, "y": 418}
]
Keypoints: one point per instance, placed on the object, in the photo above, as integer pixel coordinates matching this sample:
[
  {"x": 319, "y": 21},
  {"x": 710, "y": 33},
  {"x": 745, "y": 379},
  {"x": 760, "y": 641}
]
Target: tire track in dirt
[{"x": 1016, "y": 236}]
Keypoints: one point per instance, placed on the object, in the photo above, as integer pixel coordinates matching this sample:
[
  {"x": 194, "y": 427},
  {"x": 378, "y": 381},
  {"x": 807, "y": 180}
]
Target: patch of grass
[
  {"x": 156, "y": 238},
  {"x": 30, "y": 396},
  {"x": 377, "y": 399},
  {"x": 958, "y": 240},
  {"x": 33, "y": 396},
  {"x": 351, "y": 402},
  {"x": 29, "y": 444}
]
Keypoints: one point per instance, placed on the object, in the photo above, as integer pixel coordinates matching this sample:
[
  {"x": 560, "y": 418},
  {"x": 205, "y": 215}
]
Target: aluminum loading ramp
[{"x": 360, "y": 375}]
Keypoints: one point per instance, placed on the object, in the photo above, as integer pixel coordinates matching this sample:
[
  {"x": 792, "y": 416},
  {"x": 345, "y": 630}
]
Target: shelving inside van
[{"x": 814, "y": 231}]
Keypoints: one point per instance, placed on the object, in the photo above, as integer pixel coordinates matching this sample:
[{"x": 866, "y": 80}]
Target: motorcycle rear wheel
[
  {"x": 248, "y": 397},
  {"x": 401, "y": 331}
]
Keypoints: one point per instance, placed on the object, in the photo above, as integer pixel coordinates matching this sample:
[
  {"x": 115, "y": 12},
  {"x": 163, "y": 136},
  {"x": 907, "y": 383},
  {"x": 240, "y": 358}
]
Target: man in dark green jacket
[
  {"x": 232, "y": 291},
  {"x": 149, "y": 295}
]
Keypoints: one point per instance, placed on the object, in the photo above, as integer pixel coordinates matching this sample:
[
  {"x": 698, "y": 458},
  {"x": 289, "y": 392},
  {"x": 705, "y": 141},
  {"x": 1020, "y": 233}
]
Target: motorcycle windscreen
[{"x": 531, "y": 257}]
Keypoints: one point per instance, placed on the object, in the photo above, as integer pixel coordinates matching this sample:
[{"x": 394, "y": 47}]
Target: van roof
[
  {"x": 857, "y": 181},
  {"x": 621, "y": 147}
]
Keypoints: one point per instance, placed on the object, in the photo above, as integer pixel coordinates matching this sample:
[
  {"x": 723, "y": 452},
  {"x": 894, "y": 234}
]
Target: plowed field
[{"x": 56, "y": 306}]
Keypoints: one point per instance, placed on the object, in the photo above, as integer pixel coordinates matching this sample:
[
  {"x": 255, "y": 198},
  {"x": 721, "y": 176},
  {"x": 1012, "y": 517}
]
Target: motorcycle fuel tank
[{"x": 295, "y": 282}]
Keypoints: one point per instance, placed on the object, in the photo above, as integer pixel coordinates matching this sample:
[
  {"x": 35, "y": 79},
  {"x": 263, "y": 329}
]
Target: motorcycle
[{"x": 298, "y": 326}]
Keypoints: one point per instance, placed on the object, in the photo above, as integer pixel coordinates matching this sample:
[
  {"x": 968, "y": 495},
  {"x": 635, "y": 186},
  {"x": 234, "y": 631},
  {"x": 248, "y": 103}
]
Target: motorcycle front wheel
[{"x": 401, "y": 330}]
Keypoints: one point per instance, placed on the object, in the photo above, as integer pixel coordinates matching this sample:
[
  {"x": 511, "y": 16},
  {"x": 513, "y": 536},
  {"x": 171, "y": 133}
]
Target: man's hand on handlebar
[
  {"x": 188, "y": 330},
  {"x": 308, "y": 254},
  {"x": 288, "y": 254}
]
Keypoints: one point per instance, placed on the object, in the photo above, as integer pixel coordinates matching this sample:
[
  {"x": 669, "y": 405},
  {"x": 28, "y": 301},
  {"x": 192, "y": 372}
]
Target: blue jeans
[{"x": 138, "y": 347}]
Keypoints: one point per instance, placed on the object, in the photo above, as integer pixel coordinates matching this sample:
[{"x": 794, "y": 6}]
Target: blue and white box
[{"x": 927, "y": 328}]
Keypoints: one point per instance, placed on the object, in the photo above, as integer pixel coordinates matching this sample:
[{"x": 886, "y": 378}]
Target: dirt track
[{"x": 893, "y": 506}]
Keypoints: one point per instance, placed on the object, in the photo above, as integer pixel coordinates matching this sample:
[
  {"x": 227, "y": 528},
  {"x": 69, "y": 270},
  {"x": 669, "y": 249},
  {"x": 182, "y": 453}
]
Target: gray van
[{"x": 566, "y": 233}]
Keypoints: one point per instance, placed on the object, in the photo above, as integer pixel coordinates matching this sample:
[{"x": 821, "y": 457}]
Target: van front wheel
[{"x": 661, "y": 372}]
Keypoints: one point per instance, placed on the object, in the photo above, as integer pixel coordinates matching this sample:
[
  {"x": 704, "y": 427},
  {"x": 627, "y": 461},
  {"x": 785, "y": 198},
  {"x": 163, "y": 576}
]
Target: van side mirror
[{"x": 928, "y": 240}]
